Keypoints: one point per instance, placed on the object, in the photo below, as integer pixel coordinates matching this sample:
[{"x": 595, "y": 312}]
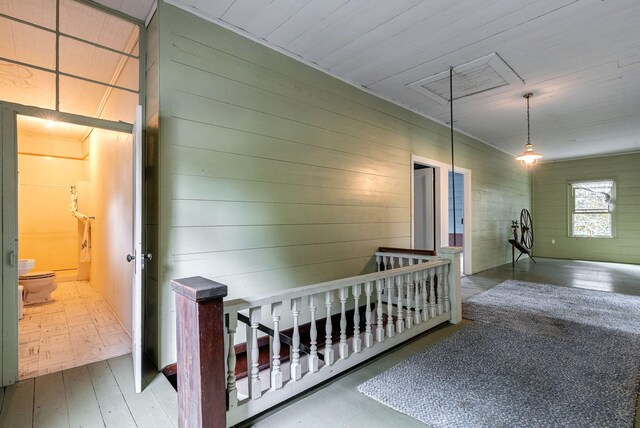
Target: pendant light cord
[
  {"x": 453, "y": 172},
  {"x": 528, "y": 121}
]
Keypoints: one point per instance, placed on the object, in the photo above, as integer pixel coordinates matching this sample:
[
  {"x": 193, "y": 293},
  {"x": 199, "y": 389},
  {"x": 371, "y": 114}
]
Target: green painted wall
[
  {"x": 273, "y": 174},
  {"x": 550, "y": 209}
]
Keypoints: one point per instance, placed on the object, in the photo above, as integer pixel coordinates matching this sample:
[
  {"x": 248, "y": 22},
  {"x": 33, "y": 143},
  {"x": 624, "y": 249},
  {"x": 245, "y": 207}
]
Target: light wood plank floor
[
  {"x": 102, "y": 393},
  {"x": 95, "y": 395}
]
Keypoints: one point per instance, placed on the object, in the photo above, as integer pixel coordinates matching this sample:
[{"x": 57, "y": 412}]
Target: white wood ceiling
[{"x": 580, "y": 58}]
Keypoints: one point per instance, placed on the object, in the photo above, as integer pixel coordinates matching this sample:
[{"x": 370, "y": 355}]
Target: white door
[
  {"x": 138, "y": 258},
  {"x": 424, "y": 220}
]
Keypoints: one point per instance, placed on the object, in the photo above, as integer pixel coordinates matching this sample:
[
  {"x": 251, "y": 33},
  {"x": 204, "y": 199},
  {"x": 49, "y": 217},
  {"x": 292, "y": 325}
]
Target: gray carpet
[{"x": 535, "y": 356}]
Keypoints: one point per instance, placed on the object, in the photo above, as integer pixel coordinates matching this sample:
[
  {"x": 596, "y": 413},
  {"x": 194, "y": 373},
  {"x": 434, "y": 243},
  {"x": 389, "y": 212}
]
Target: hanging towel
[{"x": 85, "y": 247}]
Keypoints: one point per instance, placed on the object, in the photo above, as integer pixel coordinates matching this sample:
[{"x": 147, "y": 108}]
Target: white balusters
[
  {"x": 424, "y": 278},
  {"x": 232, "y": 392},
  {"x": 356, "y": 341},
  {"x": 417, "y": 315},
  {"x": 253, "y": 352},
  {"x": 439, "y": 290},
  {"x": 379, "y": 310},
  {"x": 368, "y": 336},
  {"x": 379, "y": 263},
  {"x": 296, "y": 368},
  {"x": 276, "y": 373},
  {"x": 432, "y": 293},
  {"x": 390, "y": 327},
  {"x": 313, "y": 333},
  {"x": 343, "y": 294},
  {"x": 409, "y": 287},
  {"x": 329, "y": 356},
  {"x": 445, "y": 285},
  {"x": 400, "y": 318}
]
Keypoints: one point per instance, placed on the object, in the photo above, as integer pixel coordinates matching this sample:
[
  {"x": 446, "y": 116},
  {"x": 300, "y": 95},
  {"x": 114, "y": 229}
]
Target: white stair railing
[{"x": 411, "y": 295}]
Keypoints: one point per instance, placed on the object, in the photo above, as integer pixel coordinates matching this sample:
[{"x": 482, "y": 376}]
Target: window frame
[{"x": 571, "y": 207}]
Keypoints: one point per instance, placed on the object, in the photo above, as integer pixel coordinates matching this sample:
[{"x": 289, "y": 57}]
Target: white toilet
[{"x": 38, "y": 286}]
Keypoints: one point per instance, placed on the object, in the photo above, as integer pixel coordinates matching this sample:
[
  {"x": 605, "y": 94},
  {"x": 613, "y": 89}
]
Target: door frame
[
  {"x": 442, "y": 210},
  {"x": 9, "y": 230}
]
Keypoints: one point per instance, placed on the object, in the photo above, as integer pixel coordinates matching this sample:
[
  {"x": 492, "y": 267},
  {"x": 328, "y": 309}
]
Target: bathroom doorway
[{"x": 75, "y": 204}]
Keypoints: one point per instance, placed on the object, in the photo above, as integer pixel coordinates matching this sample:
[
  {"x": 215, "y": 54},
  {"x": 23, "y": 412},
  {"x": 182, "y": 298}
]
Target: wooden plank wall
[
  {"x": 551, "y": 216},
  {"x": 275, "y": 175}
]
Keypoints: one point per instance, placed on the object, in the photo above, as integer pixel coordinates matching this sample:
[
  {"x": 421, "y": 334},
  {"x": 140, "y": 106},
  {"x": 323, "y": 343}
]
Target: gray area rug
[{"x": 535, "y": 356}]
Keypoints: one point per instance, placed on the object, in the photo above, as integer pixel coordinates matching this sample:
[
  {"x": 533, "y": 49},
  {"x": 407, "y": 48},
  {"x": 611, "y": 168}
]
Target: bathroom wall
[
  {"x": 111, "y": 191},
  {"x": 47, "y": 167}
]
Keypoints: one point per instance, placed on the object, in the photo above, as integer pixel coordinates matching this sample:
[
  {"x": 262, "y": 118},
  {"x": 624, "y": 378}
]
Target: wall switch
[{"x": 553, "y": 241}]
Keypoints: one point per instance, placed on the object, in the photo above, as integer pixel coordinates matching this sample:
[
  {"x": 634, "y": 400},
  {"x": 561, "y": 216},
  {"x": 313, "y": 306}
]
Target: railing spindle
[
  {"x": 445, "y": 284},
  {"x": 356, "y": 341},
  {"x": 390, "y": 287},
  {"x": 313, "y": 356},
  {"x": 329, "y": 355},
  {"x": 344, "y": 346},
  {"x": 400, "y": 319},
  {"x": 409, "y": 287},
  {"x": 379, "y": 310},
  {"x": 368, "y": 336},
  {"x": 276, "y": 373},
  {"x": 296, "y": 368},
  {"x": 232, "y": 393},
  {"x": 432, "y": 294},
  {"x": 424, "y": 278},
  {"x": 417, "y": 315},
  {"x": 439, "y": 290},
  {"x": 253, "y": 353}
]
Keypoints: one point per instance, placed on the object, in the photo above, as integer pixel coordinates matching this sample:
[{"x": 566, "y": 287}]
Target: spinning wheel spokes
[{"x": 526, "y": 228}]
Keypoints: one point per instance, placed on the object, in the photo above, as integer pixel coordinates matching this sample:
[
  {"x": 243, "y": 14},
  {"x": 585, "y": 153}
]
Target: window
[
  {"x": 591, "y": 203},
  {"x": 87, "y": 62}
]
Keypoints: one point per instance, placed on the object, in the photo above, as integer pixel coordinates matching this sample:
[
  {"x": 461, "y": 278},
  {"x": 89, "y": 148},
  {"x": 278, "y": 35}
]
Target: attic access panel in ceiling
[{"x": 474, "y": 77}]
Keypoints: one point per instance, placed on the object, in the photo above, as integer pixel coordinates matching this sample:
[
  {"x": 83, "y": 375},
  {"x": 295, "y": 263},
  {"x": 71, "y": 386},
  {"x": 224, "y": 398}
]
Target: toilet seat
[{"x": 37, "y": 275}]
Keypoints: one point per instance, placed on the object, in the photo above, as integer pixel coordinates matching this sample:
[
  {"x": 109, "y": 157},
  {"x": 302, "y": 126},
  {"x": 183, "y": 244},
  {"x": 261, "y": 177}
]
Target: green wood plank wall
[
  {"x": 273, "y": 174},
  {"x": 551, "y": 218}
]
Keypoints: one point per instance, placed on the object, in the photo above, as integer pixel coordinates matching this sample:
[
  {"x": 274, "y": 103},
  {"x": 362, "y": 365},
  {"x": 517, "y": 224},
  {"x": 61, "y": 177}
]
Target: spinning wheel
[
  {"x": 526, "y": 229},
  {"x": 525, "y": 243}
]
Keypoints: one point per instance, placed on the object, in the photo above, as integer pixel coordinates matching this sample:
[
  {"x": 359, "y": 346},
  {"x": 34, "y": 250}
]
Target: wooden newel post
[{"x": 201, "y": 358}]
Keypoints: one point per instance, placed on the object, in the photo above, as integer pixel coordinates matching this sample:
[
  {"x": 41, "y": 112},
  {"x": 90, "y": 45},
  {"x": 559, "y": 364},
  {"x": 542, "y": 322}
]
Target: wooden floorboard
[
  {"x": 113, "y": 407},
  {"x": 163, "y": 391},
  {"x": 145, "y": 408},
  {"x": 82, "y": 403},
  {"x": 17, "y": 406},
  {"x": 49, "y": 403}
]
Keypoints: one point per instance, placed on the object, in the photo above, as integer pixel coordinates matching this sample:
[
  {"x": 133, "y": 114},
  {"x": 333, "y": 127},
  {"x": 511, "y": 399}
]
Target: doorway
[
  {"x": 74, "y": 226},
  {"x": 456, "y": 213},
  {"x": 438, "y": 194},
  {"x": 424, "y": 207}
]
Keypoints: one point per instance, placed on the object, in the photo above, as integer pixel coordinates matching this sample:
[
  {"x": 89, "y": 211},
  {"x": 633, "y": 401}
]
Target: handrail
[
  {"x": 406, "y": 251},
  {"x": 254, "y": 301}
]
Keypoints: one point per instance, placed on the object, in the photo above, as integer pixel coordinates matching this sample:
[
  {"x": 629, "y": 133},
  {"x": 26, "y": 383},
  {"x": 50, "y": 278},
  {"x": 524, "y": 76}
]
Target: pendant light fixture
[{"x": 528, "y": 157}]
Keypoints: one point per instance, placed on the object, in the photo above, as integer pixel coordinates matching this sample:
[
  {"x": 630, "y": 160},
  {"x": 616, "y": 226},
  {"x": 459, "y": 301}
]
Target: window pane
[
  {"x": 96, "y": 26},
  {"x": 26, "y": 85},
  {"x": 590, "y": 201},
  {"x": 24, "y": 43},
  {"x": 596, "y": 225},
  {"x": 94, "y": 100},
  {"x": 99, "y": 64},
  {"x": 41, "y": 12}
]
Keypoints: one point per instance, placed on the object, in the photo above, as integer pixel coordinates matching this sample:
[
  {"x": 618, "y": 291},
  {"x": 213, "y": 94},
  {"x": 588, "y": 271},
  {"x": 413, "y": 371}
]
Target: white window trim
[{"x": 571, "y": 207}]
